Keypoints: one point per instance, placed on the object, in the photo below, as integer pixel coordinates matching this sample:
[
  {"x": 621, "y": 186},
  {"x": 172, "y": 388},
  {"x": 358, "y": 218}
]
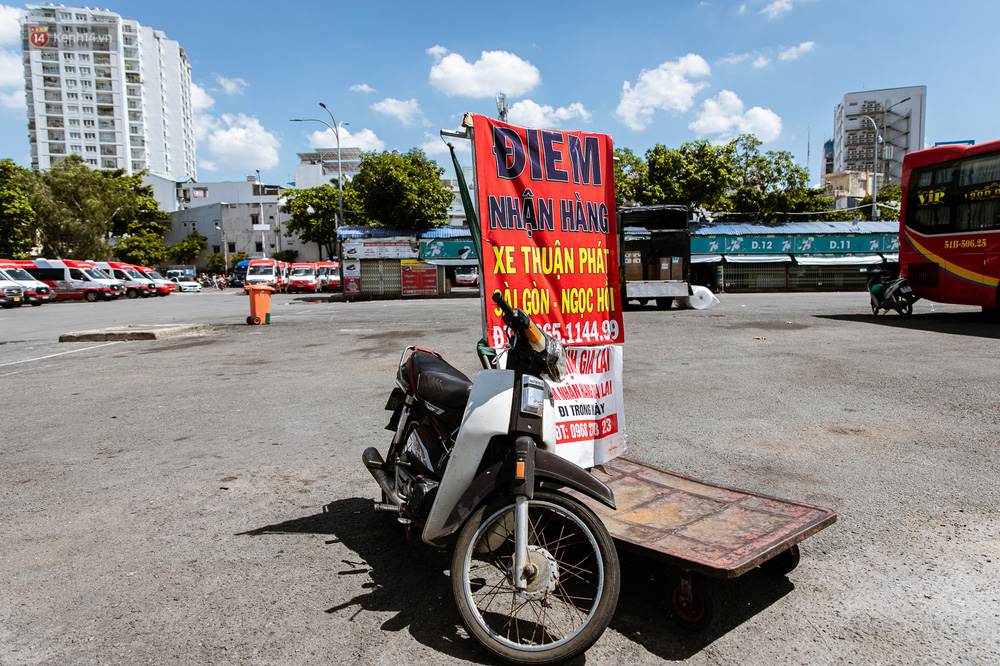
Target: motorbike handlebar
[{"x": 502, "y": 304}]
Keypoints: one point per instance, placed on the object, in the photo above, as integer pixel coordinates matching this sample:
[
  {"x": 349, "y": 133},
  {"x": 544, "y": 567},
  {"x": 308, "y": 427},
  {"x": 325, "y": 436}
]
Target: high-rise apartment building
[
  {"x": 892, "y": 118},
  {"x": 113, "y": 91}
]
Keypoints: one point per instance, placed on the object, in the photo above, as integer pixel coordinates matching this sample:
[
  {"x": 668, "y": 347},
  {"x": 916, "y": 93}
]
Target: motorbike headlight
[
  {"x": 555, "y": 359},
  {"x": 532, "y": 395}
]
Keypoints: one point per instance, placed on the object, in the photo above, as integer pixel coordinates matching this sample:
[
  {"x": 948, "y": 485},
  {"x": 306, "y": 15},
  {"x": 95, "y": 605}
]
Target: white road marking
[{"x": 71, "y": 351}]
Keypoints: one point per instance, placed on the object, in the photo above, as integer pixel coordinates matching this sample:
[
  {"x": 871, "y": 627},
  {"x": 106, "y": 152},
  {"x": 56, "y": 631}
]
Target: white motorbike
[{"x": 472, "y": 466}]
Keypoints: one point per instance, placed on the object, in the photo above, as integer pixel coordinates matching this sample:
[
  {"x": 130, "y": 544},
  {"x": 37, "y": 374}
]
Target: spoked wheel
[{"x": 571, "y": 594}]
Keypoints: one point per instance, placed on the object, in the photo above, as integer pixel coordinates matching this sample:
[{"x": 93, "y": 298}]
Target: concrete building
[
  {"x": 846, "y": 188},
  {"x": 456, "y": 211},
  {"x": 898, "y": 116},
  {"x": 318, "y": 168},
  {"x": 113, "y": 91},
  {"x": 229, "y": 230},
  {"x": 226, "y": 212}
]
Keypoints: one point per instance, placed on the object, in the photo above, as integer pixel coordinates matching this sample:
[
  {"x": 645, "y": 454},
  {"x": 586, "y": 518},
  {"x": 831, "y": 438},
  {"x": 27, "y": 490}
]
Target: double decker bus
[{"x": 949, "y": 224}]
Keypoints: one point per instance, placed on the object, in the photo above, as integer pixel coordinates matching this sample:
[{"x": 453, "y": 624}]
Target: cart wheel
[
  {"x": 699, "y": 613},
  {"x": 783, "y": 562},
  {"x": 249, "y": 320}
]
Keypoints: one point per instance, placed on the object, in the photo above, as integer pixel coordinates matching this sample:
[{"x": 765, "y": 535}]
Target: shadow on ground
[
  {"x": 971, "y": 324},
  {"x": 412, "y": 582}
]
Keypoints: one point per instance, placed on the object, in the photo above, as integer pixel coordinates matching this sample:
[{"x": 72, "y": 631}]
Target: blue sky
[{"x": 644, "y": 72}]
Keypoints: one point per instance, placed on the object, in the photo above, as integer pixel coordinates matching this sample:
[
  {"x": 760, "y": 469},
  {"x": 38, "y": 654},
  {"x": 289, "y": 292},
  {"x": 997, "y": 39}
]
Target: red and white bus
[{"x": 949, "y": 224}]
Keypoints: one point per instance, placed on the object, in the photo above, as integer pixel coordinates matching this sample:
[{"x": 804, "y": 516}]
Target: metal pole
[
  {"x": 260, "y": 198},
  {"x": 875, "y": 171},
  {"x": 340, "y": 172}
]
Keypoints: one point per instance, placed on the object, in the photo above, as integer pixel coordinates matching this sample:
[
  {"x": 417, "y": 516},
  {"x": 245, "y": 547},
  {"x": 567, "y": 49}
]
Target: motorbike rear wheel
[
  {"x": 906, "y": 310},
  {"x": 569, "y": 601}
]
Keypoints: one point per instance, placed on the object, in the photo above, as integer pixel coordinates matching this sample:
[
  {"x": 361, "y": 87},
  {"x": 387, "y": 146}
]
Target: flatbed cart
[{"x": 702, "y": 528}]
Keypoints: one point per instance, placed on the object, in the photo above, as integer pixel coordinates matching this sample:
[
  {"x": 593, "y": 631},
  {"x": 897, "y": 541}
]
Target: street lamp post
[
  {"x": 335, "y": 127},
  {"x": 874, "y": 169},
  {"x": 260, "y": 221},
  {"x": 878, "y": 140}
]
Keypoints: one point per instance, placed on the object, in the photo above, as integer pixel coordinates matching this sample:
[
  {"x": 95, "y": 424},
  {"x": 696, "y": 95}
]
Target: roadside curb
[{"x": 150, "y": 332}]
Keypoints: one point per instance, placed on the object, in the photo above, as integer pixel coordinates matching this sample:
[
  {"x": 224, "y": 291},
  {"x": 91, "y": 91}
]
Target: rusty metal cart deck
[{"x": 702, "y": 527}]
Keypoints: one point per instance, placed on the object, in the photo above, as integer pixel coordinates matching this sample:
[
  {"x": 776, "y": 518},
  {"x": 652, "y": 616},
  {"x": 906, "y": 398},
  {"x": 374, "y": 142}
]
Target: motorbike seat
[{"x": 436, "y": 381}]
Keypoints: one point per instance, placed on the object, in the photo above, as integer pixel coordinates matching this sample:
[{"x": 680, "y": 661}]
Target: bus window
[
  {"x": 979, "y": 215},
  {"x": 977, "y": 172},
  {"x": 932, "y": 220}
]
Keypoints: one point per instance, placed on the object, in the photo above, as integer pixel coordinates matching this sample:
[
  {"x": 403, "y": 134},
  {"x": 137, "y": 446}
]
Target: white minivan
[
  {"x": 35, "y": 292},
  {"x": 136, "y": 283},
  {"x": 70, "y": 279}
]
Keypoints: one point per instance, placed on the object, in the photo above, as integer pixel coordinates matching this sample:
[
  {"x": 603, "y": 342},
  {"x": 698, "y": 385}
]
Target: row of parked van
[
  {"x": 291, "y": 278},
  {"x": 37, "y": 281}
]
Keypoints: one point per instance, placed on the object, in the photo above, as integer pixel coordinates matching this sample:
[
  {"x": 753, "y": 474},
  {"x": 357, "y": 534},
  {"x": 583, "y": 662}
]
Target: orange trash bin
[{"x": 260, "y": 304}]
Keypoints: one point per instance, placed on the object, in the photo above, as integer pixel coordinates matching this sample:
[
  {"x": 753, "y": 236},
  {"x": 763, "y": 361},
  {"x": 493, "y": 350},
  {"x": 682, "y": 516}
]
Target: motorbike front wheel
[{"x": 570, "y": 597}]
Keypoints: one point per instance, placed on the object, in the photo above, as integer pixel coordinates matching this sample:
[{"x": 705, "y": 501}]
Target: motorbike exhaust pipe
[{"x": 374, "y": 462}]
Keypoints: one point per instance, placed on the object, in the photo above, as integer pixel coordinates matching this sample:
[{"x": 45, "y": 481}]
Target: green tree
[
  {"x": 216, "y": 263},
  {"x": 79, "y": 210},
  {"x": 402, "y": 191},
  {"x": 630, "y": 172},
  {"x": 314, "y": 213},
  {"x": 764, "y": 185},
  {"x": 144, "y": 248},
  {"x": 187, "y": 251},
  {"x": 16, "y": 214},
  {"x": 697, "y": 175},
  {"x": 237, "y": 258},
  {"x": 288, "y": 256},
  {"x": 890, "y": 195}
]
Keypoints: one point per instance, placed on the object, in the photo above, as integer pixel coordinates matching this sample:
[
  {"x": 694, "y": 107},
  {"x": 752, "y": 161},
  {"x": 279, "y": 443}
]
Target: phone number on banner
[
  {"x": 575, "y": 332},
  {"x": 578, "y": 431}
]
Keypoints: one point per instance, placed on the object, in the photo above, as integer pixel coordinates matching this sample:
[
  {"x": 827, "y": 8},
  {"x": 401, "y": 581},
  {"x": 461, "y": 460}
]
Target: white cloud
[
  {"x": 232, "y": 86},
  {"x": 532, "y": 114},
  {"x": 239, "y": 142},
  {"x": 777, "y": 8},
  {"x": 200, "y": 99},
  {"x": 11, "y": 69},
  {"x": 733, "y": 59},
  {"x": 365, "y": 139},
  {"x": 13, "y": 100},
  {"x": 668, "y": 88},
  {"x": 11, "y": 64},
  {"x": 494, "y": 72},
  {"x": 406, "y": 112},
  {"x": 761, "y": 61},
  {"x": 10, "y": 29},
  {"x": 796, "y": 52},
  {"x": 362, "y": 87},
  {"x": 723, "y": 116}
]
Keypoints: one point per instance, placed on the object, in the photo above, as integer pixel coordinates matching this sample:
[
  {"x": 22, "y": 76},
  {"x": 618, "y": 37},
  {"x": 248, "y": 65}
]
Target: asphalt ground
[{"x": 201, "y": 500}]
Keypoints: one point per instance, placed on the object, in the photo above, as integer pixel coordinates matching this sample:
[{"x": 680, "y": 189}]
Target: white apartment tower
[
  {"x": 113, "y": 91},
  {"x": 892, "y": 118}
]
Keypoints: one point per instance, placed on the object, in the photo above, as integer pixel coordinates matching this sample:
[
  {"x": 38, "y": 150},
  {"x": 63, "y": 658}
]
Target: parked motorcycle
[
  {"x": 890, "y": 293},
  {"x": 472, "y": 466}
]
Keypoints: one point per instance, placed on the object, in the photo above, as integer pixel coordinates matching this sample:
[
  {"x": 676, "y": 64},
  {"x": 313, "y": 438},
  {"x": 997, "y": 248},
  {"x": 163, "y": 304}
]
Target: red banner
[{"x": 550, "y": 237}]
